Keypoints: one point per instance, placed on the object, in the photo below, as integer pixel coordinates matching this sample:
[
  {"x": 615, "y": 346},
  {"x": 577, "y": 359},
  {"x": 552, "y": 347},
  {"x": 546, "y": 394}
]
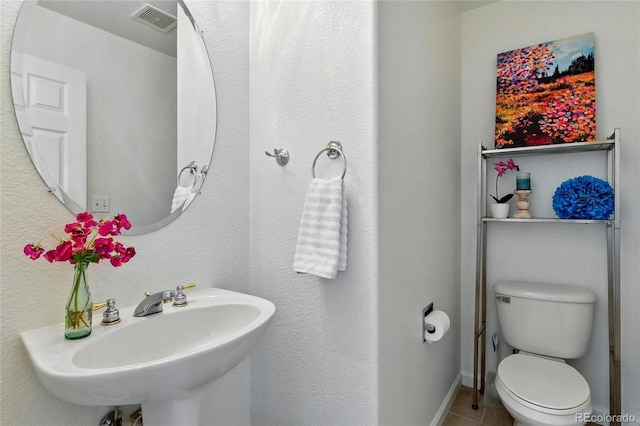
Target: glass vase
[{"x": 77, "y": 322}]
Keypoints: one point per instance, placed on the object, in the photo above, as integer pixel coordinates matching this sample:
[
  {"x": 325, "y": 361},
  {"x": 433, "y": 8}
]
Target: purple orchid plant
[{"x": 502, "y": 167}]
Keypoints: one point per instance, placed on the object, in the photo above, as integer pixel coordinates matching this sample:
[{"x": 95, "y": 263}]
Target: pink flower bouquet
[{"x": 87, "y": 241}]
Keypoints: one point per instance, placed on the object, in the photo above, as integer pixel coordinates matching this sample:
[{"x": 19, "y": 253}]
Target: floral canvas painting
[{"x": 546, "y": 94}]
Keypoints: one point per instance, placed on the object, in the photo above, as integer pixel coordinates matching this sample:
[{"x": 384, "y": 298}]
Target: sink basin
[{"x": 162, "y": 361}]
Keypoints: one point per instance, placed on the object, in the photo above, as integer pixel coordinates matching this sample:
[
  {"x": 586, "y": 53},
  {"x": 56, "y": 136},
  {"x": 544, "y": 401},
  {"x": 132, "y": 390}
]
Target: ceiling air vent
[{"x": 156, "y": 18}]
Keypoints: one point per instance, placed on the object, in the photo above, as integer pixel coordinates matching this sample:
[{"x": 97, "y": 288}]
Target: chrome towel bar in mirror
[{"x": 192, "y": 167}]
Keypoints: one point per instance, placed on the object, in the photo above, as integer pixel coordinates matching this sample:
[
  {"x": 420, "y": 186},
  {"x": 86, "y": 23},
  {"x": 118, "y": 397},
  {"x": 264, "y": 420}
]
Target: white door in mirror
[{"x": 53, "y": 122}]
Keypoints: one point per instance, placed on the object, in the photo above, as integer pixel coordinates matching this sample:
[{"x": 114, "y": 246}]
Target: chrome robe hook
[{"x": 280, "y": 154}]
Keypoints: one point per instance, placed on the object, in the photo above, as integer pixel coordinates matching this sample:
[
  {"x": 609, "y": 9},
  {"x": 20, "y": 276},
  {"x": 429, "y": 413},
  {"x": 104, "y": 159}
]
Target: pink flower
[
  {"x": 113, "y": 227},
  {"x": 122, "y": 254},
  {"x": 33, "y": 251},
  {"x": 123, "y": 222},
  {"x": 104, "y": 246},
  {"x": 87, "y": 219},
  {"x": 72, "y": 228},
  {"x": 501, "y": 167},
  {"x": 50, "y": 256},
  {"x": 130, "y": 252},
  {"x": 63, "y": 252},
  {"x": 78, "y": 233},
  {"x": 108, "y": 227},
  {"x": 79, "y": 241}
]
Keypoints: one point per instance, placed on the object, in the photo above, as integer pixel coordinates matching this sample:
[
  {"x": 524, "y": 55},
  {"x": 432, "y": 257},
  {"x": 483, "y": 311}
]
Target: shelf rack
[{"x": 612, "y": 147}]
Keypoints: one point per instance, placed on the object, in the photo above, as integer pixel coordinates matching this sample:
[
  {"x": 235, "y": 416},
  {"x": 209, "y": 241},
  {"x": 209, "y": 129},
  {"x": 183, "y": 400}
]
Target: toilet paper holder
[{"x": 427, "y": 328}]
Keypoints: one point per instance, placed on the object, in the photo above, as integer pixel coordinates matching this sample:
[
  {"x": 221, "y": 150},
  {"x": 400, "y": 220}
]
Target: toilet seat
[{"x": 544, "y": 385}]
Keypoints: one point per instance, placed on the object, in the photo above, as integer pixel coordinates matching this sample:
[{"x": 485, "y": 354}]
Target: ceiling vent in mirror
[{"x": 156, "y": 18}]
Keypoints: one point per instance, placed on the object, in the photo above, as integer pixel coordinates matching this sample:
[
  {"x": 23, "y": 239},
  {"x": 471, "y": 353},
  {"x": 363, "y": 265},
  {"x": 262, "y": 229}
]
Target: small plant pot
[{"x": 500, "y": 210}]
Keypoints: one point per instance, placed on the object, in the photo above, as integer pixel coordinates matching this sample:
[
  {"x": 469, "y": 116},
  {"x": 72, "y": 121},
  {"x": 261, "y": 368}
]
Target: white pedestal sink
[{"x": 162, "y": 361}]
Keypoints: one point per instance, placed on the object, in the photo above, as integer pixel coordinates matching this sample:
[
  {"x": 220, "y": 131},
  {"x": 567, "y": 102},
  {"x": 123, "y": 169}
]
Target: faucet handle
[
  {"x": 111, "y": 315},
  {"x": 98, "y": 306},
  {"x": 166, "y": 296},
  {"x": 180, "y": 298}
]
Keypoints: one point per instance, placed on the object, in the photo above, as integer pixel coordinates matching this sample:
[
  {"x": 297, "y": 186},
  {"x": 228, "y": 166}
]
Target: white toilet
[{"x": 546, "y": 323}]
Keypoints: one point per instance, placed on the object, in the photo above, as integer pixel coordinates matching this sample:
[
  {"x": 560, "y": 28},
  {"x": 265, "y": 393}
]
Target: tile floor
[{"x": 461, "y": 413}]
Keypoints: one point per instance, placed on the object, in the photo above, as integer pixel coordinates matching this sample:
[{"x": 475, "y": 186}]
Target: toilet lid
[{"x": 543, "y": 382}]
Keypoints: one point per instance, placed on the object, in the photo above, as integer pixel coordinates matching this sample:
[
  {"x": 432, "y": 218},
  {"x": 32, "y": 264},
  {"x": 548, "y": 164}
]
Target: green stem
[{"x": 79, "y": 275}]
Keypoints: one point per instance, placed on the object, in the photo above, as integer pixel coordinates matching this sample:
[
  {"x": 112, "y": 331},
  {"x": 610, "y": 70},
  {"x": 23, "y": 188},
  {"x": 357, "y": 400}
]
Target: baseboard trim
[
  {"x": 467, "y": 379},
  {"x": 438, "y": 420}
]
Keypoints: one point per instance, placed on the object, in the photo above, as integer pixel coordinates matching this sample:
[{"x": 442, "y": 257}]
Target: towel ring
[
  {"x": 193, "y": 169},
  {"x": 333, "y": 150}
]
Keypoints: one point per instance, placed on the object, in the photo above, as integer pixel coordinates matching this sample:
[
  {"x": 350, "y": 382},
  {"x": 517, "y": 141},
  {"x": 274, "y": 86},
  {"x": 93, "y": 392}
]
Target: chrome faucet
[{"x": 152, "y": 303}]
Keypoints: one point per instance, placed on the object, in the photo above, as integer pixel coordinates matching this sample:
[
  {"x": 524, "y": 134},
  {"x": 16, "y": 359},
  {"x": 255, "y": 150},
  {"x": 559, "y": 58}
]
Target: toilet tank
[{"x": 547, "y": 319}]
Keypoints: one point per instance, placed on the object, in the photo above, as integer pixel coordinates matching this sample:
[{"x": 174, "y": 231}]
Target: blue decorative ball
[{"x": 584, "y": 197}]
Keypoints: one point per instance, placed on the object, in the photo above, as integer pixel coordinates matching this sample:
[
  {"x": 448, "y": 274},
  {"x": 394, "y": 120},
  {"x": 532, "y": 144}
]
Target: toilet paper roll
[{"x": 437, "y": 324}]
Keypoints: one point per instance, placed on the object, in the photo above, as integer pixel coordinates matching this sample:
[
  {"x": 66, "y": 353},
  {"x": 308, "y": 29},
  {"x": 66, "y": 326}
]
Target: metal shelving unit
[{"x": 612, "y": 147}]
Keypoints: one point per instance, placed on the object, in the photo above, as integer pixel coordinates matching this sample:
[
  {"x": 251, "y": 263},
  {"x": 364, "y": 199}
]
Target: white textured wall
[
  {"x": 558, "y": 253},
  {"x": 312, "y": 81},
  {"x": 188, "y": 250},
  {"x": 419, "y": 210}
]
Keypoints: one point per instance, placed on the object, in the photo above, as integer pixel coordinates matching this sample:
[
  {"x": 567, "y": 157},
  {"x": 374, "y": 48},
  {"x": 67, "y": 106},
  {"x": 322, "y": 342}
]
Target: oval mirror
[{"x": 115, "y": 101}]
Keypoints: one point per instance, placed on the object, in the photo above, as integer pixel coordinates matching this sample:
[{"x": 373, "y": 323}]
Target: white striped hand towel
[
  {"x": 180, "y": 195},
  {"x": 322, "y": 241}
]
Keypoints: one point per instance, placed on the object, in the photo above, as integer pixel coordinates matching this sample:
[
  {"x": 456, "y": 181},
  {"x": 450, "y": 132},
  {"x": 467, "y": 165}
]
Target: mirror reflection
[{"x": 116, "y": 105}]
